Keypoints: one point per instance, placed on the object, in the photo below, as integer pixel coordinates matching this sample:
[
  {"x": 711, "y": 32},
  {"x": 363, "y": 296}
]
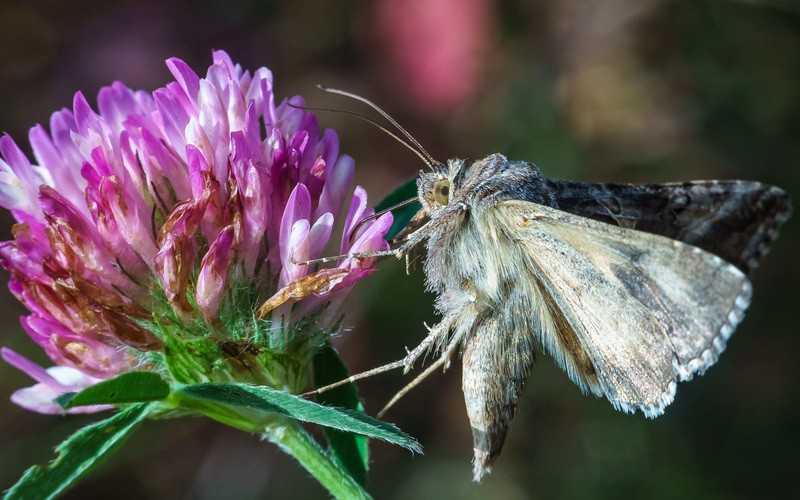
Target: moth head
[{"x": 437, "y": 188}]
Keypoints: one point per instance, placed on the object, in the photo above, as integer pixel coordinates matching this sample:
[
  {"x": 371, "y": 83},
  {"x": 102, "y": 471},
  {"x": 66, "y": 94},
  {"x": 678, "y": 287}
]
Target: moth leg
[
  {"x": 443, "y": 360},
  {"x": 358, "y": 376},
  {"x": 434, "y": 335},
  {"x": 357, "y": 255}
]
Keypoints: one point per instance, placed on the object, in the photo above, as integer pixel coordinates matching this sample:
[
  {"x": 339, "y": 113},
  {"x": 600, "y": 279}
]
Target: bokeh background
[{"x": 620, "y": 90}]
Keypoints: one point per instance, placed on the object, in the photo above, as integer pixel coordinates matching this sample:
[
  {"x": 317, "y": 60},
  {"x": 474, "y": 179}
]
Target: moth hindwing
[{"x": 627, "y": 287}]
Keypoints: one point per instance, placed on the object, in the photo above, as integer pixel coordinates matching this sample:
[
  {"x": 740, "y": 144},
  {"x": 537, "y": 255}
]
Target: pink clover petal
[
  {"x": 39, "y": 398},
  {"x": 62, "y": 127},
  {"x": 298, "y": 207},
  {"x": 309, "y": 151},
  {"x": 187, "y": 79},
  {"x": 214, "y": 270},
  {"x": 52, "y": 382},
  {"x": 130, "y": 227},
  {"x": 100, "y": 358},
  {"x": 115, "y": 104},
  {"x": 290, "y": 117},
  {"x": 297, "y": 145},
  {"x": 244, "y": 148},
  {"x": 81, "y": 244},
  {"x": 254, "y": 195},
  {"x": 338, "y": 178},
  {"x": 86, "y": 119},
  {"x": 197, "y": 167},
  {"x": 260, "y": 94},
  {"x": 31, "y": 369},
  {"x": 358, "y": 210},
  {"x": 173, "y": 266},
  {"x": 328, "y": 148},
  {"x": 164, "y": 168},
  {"x": 174, "y": 117},
  {"x": 21, "y": 173},
  {"x": 296, "y": 251},
  {"x": 12, "y": 195},
  {"x": 319, "y": 234},
  {"x": 65, "y": 180},
  {"x": 13, "y": 258},
  {"x": 314, "y": 178},
  {"x": 252, "y": 131},
  {"x": 371, "y": 240}
]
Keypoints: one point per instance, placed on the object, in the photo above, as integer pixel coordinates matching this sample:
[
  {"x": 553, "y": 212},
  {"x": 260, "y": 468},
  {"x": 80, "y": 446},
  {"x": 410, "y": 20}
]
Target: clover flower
[{"x": 150, "y": 233}]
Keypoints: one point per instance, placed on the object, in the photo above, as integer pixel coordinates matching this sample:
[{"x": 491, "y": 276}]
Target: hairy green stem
[
  {"x": 294, "y": 440},
  {"x": 290, "y": 436}
]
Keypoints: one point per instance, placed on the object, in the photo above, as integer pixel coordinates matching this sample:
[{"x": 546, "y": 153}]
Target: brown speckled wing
[
  {"x": 648, "y": 311},
  {"x": 735, "y": 220}
]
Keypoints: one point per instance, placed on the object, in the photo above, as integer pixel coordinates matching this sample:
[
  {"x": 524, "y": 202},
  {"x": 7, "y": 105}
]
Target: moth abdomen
[{"x": 496, "y": 362}]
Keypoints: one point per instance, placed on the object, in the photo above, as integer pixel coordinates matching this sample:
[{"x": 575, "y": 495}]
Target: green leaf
[
  {"x": 131, "y": 387},
  {"x": 78, "y": 455},
  {"x": 350, "y": 450},
  {"x": 406, "y": 191},
  {"x": 269, "y": 400}
]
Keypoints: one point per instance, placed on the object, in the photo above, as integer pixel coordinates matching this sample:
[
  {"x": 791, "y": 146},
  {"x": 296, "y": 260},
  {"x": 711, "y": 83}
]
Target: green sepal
[{"x": 78, "y": 455}]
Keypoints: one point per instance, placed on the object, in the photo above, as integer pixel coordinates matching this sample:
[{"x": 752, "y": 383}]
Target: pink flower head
[{"x": 171, "y": 217}]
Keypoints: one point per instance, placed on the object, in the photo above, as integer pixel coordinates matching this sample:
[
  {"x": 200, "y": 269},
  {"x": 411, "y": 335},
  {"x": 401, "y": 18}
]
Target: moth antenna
[
  {"x": 378, "y": 214},
  {"x": 428, "y": 159},
  {"x": 421, "y": 154}
]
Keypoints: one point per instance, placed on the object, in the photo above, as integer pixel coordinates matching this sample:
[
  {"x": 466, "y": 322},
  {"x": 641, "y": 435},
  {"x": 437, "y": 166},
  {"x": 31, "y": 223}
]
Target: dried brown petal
[
  {"x": 295, "y": 291},
  {"x": 130, "y": 333}
]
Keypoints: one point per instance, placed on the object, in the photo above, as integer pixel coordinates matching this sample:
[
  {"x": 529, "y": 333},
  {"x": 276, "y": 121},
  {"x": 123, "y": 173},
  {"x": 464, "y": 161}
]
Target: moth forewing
[{"x": 648, "y": 311}]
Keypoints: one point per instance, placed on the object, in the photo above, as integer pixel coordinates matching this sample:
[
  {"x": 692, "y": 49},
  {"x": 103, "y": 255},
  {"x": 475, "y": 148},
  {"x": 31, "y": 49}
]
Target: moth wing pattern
[
  {"x": 643, "y": 310},
  {"x": 736, "y": 220}
]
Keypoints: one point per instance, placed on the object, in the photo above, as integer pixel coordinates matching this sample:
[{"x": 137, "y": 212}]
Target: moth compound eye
[{"x": 441, "y": 192}]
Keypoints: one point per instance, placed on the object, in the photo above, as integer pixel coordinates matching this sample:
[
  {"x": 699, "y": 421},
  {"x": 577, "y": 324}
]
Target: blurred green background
[{"x": 621, "y": 90}]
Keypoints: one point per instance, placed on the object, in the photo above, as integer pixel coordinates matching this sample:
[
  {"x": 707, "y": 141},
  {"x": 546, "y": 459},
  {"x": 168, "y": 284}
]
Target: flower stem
[
  {"x": 290, "y": 436},
  {"x": 294, "y": 440}
]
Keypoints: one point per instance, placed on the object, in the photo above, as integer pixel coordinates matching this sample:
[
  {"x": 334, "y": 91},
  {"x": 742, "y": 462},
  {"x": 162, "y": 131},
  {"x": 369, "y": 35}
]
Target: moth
[{"x": 630, "y": 288}]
